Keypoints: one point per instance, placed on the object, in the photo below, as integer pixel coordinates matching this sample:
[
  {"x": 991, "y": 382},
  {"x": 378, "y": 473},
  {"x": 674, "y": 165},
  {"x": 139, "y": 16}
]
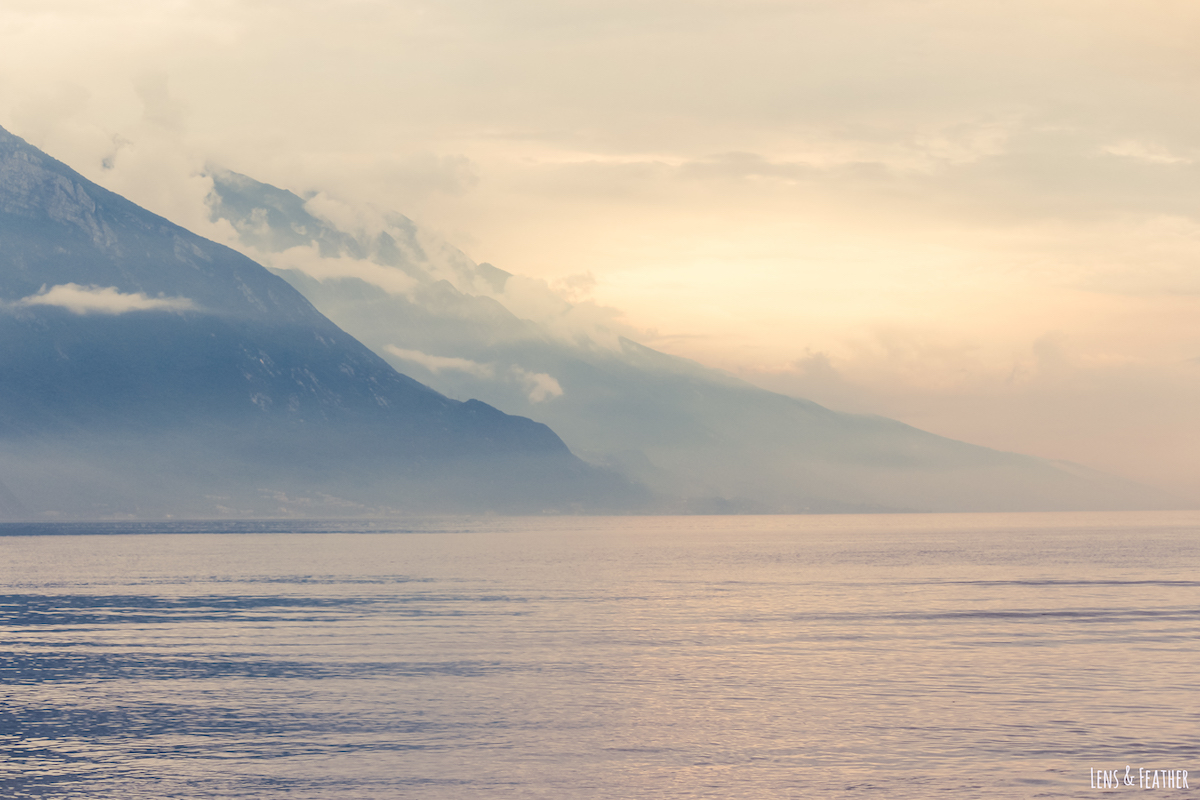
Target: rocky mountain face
[
  {"x": 702, "y": 439},
  {"x": 145, "y": 370}
]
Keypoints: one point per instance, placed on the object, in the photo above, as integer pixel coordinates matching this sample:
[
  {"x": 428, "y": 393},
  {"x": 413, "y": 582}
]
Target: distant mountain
[
  {"x": 145, "y": 370},
  {"x": 704, "y": 440}
]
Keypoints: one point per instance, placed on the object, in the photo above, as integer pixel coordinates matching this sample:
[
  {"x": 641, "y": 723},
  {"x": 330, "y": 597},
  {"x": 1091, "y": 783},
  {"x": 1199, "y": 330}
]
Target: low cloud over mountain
[{"x": 108, "y": 300}]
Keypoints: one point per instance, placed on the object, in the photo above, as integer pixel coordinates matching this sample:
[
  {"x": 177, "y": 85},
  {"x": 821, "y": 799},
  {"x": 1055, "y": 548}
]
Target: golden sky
[{"x": 982, "y": 218}]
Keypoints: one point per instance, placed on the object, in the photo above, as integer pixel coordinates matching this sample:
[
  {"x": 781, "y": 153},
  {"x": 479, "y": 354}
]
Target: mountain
[
  {"x": 704, "y": 440},
  {"x": 145, "y": 370}
]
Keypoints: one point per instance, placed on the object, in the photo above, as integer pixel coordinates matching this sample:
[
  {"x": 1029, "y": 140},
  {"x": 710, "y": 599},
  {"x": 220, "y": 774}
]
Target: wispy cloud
[
  {"x": 308, "y": 259},
  {"x": 443, "y": 363},
  {"x": 107, "y": 300},
  {"x": 538, "y": 386}
]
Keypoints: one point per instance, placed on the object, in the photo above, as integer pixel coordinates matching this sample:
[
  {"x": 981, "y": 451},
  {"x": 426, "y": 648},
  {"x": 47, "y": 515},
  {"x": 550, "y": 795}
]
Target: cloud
[
  {"x": 357, "y": 220},
  {"x": 1152, "y": 152},
  {"x": 583, "y": 322},
  {"x": 160, "y": 108},
  {"x": 576, "y": 288},
  {"x": 444, "y": 363},
  {"x": 541, "y": 386},
  {"x": 109, "y": 300},
  {"x": 308, "y": 259}
]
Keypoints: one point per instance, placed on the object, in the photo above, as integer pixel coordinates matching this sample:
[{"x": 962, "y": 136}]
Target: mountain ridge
[
  {"x": 702, "y": 438},
  {"x": 122, "y": 332}
]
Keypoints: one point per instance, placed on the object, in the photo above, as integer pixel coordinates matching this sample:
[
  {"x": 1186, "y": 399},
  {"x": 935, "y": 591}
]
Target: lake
[{"x": 891, "y": 656}]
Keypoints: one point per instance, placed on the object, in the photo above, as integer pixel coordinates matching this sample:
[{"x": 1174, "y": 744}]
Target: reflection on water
[{"x": 722, "y": 657}]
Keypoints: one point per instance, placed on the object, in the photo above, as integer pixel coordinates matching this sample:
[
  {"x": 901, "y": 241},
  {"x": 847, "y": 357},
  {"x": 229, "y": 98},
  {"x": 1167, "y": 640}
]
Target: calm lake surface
[{"x": 958, "y": 656}]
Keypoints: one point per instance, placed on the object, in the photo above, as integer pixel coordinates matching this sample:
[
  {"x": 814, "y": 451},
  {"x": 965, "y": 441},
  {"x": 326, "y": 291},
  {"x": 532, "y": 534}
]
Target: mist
[{"x": 890, "y": 208}]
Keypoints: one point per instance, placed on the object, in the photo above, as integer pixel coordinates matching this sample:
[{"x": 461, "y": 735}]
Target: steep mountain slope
[
  {"x": 703, "y": 439},
  {"x": 144, "y": 370}
]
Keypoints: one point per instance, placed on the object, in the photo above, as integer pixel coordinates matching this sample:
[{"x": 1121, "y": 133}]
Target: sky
[{"x": 981, "y": 218}]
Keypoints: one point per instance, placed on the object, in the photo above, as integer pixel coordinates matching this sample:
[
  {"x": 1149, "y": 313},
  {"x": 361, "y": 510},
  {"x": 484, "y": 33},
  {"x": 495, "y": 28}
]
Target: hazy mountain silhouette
[
  {"x": 146, "y": 370},
  {"x": 704, "y": 440}
]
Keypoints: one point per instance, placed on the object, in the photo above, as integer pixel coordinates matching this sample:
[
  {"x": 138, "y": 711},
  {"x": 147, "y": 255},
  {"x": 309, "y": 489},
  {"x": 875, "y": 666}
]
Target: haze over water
[{"x": 986, "y": 655}]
